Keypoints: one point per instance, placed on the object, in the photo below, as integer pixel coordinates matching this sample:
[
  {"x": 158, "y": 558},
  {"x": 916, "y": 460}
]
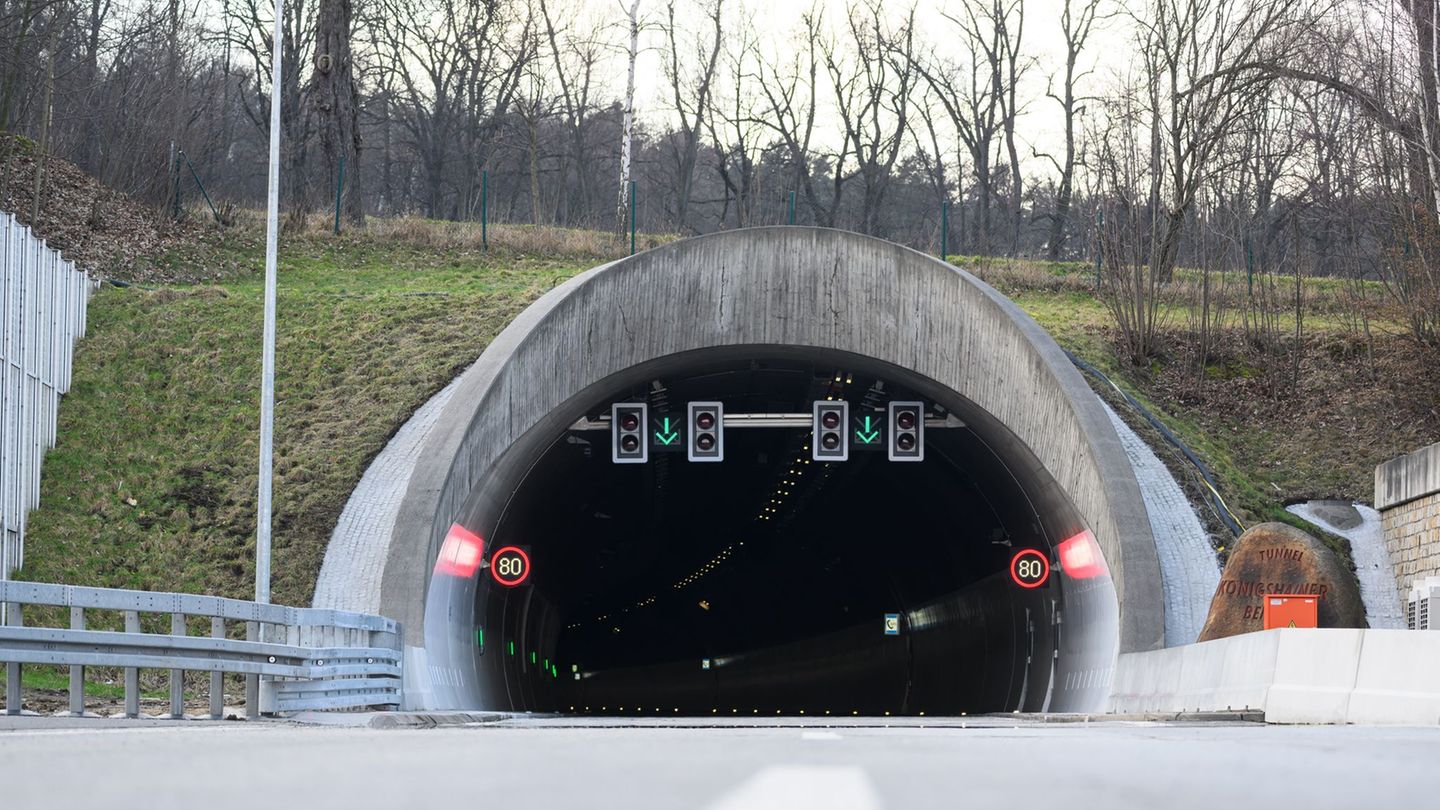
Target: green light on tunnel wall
[
  {"x": 512, "y": 648},
  {"x": 479, "y": 637},
  {"x": 554, "y": 671},
  {"x": 532, "y": 657}
]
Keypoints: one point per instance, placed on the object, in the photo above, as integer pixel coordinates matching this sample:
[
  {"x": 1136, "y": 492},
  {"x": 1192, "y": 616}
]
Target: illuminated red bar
[
  {"x": 461, "y": 553},
  {"x": 1080, "y": 557}
]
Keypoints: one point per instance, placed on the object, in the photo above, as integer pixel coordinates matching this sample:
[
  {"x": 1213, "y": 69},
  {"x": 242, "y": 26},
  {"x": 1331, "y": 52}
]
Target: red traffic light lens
[
  {"x": 629, "y": 421},
  {"x": 830, "y": 419},
  {"x": 830, "y": 441},
  {"x": 705, "y": 441},
  {"x": 905, "y": 441},
  {"x": 705, "y": 420},
  {"x": 630, "y": 444},
  {"x": 905, "y": 420}
]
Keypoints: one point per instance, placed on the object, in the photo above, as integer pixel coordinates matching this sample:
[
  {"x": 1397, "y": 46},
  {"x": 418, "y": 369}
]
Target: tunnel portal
[{"x": 771, "y": 582}]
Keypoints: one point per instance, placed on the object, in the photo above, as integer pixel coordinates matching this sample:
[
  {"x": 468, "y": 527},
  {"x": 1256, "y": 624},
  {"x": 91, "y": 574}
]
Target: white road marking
[
  {"x": 803, "y": 787},
  {"x": 819, "y": 735}
]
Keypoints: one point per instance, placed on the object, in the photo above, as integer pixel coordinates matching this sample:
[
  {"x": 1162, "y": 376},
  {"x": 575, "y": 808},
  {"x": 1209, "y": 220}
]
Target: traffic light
[
  {"x": 628, "y": 421},
  {"x": 829, "y": 440},
  {"x": 707, "y": 431},
  {"x": 907, "y": 431}
]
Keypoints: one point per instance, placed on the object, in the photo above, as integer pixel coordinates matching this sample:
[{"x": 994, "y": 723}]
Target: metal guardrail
[
  {"x": 294, "y": 659},
  {"x": 42, "y": 313}
]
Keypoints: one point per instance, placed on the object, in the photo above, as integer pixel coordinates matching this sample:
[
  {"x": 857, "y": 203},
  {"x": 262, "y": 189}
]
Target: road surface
[{"x": 859, "y": 765}]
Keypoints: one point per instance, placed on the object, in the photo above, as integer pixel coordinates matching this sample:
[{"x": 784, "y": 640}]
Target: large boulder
[{"x": 1273, "y": 558}]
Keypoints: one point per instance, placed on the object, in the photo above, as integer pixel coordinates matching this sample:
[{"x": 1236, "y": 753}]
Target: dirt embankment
[{"x": 100, "y": 229}]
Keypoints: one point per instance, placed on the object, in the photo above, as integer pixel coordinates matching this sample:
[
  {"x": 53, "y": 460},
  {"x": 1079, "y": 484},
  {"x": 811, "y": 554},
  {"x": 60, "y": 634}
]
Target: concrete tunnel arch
[{"x": 766, "y": 293}]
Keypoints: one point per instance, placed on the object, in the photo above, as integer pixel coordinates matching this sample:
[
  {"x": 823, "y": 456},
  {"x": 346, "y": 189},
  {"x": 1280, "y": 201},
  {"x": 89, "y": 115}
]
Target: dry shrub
[{"x": 445, "y": 236}]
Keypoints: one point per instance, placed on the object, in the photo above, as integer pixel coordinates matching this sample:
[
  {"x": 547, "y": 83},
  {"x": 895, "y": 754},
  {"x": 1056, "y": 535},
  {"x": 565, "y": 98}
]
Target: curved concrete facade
[{"x": 786, "y": 286}]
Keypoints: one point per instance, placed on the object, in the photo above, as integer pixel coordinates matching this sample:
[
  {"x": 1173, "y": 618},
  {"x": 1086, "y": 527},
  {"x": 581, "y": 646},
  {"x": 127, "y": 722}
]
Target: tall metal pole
[
  {"x": 792, "y": 208},
  {"x": 632, "y": 217},
  {"x": 485, "y": 209},
  {"x": 267, "y": 363}
]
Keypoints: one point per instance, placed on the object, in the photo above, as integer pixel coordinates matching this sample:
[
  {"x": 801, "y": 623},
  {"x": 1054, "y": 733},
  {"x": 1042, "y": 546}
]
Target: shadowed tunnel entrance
[{"x": 760, "y": 585}]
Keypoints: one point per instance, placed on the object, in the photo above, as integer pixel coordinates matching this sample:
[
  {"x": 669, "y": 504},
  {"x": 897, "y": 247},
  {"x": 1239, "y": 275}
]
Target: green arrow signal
[
  {"x": 665, "y": 435},
  {"x": 867, "y": 435}
]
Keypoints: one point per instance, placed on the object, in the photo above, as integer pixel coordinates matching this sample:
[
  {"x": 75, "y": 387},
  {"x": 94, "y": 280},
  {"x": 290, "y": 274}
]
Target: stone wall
[
  {"x": 1412, "y": 536},
  {"x": 1407, "y": 494}
]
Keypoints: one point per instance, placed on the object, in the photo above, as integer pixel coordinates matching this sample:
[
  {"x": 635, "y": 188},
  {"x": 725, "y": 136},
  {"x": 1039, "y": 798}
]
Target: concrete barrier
[
  {"x": 1293, "y": 676},
  {"x": 1398, "y": 679}
]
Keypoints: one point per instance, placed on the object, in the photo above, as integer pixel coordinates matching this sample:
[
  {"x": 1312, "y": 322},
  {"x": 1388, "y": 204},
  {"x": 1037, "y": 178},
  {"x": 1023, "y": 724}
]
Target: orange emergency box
[{"x": 1291, "y": 611}]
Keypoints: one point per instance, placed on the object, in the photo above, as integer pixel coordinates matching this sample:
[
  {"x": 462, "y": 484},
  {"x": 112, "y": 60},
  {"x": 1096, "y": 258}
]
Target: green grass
[{"x": 152, "y": 481}]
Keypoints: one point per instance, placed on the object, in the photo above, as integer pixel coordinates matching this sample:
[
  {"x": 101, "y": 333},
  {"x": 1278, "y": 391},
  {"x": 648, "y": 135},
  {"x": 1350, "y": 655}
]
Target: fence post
[
  {"x": 1250, "y": 266},
  {"x": 177, "y": 676},
  {"x": 252, "y": 682},
  {"x": 175, "y": 203},
  {"x": 944, "y": 230},
  {"x": 485, "y": 209},
  {"x": 632, "y": 217},
  {"x": 339, "y": 187},
  {"x": 14, "y": 692},
  {"x": 77, "y": 671},
  {"x": 132, "y": 674},
  {"x": 217, "y": 678},
  {"x": 1099, "y": 244}
]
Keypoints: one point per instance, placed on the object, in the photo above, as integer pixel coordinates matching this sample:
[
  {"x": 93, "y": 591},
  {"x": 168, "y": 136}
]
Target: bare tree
[
  {"x": 872, "y": 88},
  {"x": 628, "y": 128},
  {"x": 691, "y": 93},
  {"x": 336, "y": 103},
  {"x": 1077, "y": 20}
]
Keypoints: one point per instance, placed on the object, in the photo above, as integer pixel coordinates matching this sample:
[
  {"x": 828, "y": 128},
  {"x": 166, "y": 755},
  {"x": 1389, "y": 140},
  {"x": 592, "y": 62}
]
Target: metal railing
[
  {"x": 294, "y": 659},
  {"x": 42, "y": 313}
]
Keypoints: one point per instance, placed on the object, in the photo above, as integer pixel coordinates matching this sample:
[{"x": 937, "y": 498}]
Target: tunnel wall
[{"x": 786, "y": 286}]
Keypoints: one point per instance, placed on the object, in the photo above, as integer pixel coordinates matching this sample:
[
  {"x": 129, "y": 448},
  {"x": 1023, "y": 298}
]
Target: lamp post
[
  {"x": 267, "y": 367},
  {"x": 267, "y": 363}
]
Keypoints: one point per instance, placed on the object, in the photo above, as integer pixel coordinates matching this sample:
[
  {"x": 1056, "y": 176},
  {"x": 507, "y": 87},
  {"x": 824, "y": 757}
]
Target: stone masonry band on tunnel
[{"x": 754, "y": 322}]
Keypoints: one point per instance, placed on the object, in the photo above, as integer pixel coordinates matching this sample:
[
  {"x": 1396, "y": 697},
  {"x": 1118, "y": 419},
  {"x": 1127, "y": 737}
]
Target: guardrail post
[
  {"x": 217, "y": 678},
  {"x": 14, "y": 696},
  {"x": 252, "y": 682},
  {"x": 177, "y": 676},
  {"x": 132, "y": 674},
  {"x": 77, "y": 671}
]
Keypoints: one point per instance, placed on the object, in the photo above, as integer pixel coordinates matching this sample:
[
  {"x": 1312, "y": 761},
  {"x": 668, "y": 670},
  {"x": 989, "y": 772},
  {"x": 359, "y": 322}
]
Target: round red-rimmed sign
[
  {"x": 1030, "y": 568},
  {"x": 510, "y": 566}
]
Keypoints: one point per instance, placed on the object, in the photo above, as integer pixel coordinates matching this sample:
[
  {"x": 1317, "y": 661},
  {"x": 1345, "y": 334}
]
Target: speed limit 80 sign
[
  {"x": 510, "y": 566},
  {"x": 1030, "y": 568}
]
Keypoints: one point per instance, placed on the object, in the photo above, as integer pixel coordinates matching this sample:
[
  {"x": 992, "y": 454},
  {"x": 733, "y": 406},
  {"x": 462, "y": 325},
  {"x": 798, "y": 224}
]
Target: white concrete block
[
  {"x": 1314, "y": 675},
  {"x": 1398, "y": 680}
]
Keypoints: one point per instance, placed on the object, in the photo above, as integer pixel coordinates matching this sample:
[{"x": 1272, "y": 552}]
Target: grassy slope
[
  {"x": 152, "y": 482},
  {"x": 1267, "y": 448}
]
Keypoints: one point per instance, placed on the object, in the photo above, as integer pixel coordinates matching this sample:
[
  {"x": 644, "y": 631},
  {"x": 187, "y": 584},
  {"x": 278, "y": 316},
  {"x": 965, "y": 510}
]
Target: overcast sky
[{"x": 777, "y": 21}]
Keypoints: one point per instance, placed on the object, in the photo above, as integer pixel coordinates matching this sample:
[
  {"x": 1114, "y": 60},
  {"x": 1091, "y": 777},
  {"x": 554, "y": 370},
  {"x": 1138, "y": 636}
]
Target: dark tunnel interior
[{"x": 760, "y": 585}]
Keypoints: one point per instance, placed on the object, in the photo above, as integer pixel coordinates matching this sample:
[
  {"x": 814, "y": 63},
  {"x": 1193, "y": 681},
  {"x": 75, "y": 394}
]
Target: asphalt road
[{"x": 861, "y": 765}]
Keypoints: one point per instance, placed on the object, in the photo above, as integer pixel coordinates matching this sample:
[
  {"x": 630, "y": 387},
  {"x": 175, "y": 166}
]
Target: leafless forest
[{"x": 1270, "y": 138}]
